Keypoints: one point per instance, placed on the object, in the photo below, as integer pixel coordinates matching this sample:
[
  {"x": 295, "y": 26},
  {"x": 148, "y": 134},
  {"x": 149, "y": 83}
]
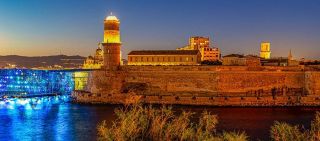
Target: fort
[
  {"x": 204, "y": 85},
  {"x": 176, "y": 77}
]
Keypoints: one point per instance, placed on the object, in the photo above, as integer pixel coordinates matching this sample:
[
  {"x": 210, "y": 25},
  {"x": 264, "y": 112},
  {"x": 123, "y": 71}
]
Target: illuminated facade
[
  {"x": 203, "y": 45},
  {"x": 210, "y": 54},
  {"x": 164, "y": 57},
  {"x": 265, "y": 51},
  {"x": 111, "y": 43},
  {"x": 94, "y": 62},
  {"x": 80, "y": 80},
  {"x": 199, "y": 42},
  {"x": 29, "y": 82}
]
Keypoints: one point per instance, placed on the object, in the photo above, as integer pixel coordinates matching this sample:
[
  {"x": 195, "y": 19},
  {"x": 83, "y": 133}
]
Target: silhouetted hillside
[{"x": 42, "y": 61}]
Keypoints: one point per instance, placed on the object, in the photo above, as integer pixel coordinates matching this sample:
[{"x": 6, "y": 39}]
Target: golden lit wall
[
  {"x": 80, "y": 80},
  {"x": 163, "y": 59},
  {"x": 210, "y": 54}
]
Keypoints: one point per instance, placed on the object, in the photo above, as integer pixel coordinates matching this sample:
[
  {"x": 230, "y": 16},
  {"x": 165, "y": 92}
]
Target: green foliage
[{"x": 147, "y": 123}]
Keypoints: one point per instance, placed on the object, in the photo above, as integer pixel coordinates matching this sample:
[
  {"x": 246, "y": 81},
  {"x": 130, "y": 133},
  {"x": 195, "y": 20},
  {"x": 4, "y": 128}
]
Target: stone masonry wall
[{"x": 184, "y": 83}]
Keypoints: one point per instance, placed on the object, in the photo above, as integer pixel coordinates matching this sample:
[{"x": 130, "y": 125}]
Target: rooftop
[
  {"x": 112, "y": 18},
  {"x": 164, "y": 52},
  {"x": 234, "y": 55}
]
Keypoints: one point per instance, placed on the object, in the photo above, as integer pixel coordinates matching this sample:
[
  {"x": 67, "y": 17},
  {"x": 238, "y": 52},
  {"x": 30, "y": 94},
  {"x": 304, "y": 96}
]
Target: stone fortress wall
[{"x": 204, "y": 85}]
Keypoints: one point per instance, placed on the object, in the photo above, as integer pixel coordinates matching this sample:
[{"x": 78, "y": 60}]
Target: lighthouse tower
[{"x": 111, "y": 43}]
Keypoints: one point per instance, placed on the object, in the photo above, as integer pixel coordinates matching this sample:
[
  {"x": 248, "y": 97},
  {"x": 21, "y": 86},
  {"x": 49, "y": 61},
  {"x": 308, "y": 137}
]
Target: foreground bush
[
  {"x": 281, "y": 131},
  {"x": 148, "y": 123}
]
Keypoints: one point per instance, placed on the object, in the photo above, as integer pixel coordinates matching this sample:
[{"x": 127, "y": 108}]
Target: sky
[{"x": 75, "y": 27}]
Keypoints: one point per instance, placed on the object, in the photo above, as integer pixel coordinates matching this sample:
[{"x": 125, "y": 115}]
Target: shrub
[{"x": 147, "y": 123}]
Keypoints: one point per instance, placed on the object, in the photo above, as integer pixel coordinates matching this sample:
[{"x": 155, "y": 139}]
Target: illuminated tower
[
  {"x": 265, "y": 50},
  {"x": 111, "y": 43}
]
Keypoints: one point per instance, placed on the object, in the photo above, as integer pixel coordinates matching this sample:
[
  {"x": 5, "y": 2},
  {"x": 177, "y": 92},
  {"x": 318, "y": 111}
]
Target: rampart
[{"x": 204, "y": 85}]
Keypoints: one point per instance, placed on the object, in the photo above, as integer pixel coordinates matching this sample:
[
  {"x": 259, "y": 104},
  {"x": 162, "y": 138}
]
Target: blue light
[{"x": 15, "y": 82}]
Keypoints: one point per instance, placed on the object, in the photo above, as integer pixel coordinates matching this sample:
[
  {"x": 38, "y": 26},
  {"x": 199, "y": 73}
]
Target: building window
[
  {"x": 130, "y": 59},
  {"x": 180, "y": 59},
  {"x": 152, "y": 59},
  {"x": 192, "y": 59},
  {"x": 187, "y": 59}
]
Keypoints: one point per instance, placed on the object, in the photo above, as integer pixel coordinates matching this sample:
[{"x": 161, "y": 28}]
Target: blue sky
[{"x": 74, "y": 27}]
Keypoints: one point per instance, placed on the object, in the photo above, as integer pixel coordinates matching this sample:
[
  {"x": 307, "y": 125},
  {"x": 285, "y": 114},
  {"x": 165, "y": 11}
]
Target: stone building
[
  {"x": 265, "y": 51},
  {"x": 203, "y": 45},
  {"x": 233, "y": 60},
  {"x": 164, "y": 57},
  {"x": 241, "y": 60},
  {"x": 280, "y": 61},
  {"x": 252, "y": 60},
  {"x": 94, "y": 62}
]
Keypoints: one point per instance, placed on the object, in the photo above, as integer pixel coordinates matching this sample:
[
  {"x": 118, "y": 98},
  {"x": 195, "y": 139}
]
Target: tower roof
[{"x": 112, "y": 18}]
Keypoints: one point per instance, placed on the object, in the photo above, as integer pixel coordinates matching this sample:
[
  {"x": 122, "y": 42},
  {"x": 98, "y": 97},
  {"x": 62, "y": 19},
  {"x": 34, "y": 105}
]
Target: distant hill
[{"x": 42, "y": 61}]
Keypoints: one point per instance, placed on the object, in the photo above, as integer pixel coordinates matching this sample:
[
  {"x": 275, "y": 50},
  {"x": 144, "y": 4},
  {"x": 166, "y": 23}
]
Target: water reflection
[
  {"x": 50, "y": 118},
  {"x": 33, "y": 118},
  {"x": 32, "y": 103},
  {"x": 54, "y": 118}
]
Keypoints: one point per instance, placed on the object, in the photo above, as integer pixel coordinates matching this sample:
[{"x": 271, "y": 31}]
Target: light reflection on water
[
  {"x": 54, "y": 118},
  {"x": 36, "y": 118},
  {"x": 50, "y": 118},
  {"x": 32, "y": 103}
]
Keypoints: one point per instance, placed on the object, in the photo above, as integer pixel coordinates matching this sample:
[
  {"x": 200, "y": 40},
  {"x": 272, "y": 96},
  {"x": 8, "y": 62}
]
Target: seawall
[{"x": 204, "y": 85}]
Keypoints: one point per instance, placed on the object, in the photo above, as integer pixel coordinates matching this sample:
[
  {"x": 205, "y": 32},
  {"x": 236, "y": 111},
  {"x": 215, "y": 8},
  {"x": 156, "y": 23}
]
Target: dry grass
[
  {"x": 281, "y": 131},
  {"x": 157, "y": 124}
]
